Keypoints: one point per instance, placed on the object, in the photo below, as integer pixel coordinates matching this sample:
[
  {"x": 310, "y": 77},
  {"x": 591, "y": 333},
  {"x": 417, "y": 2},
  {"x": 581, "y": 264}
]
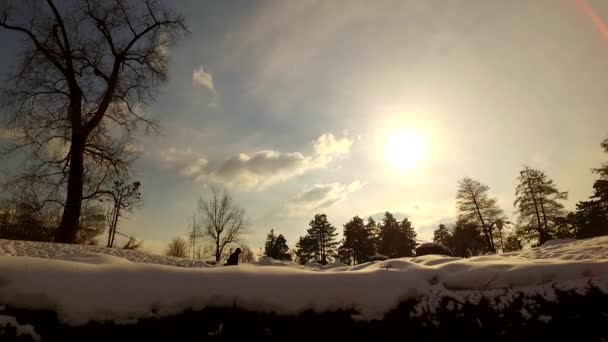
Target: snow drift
[{"x": 88, "y": 283}]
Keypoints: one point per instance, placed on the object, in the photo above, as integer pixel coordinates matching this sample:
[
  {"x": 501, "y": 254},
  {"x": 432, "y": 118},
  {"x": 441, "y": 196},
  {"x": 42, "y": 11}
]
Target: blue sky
[{"x": 290, "y": 105}]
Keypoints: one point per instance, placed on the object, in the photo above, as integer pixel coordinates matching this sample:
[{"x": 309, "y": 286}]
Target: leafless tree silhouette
[
  {"x": 222, "y": 220},
  {"x": 75, "y": 100}
]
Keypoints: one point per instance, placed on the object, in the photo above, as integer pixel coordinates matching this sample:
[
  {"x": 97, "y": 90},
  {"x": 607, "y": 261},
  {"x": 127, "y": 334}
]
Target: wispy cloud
[{"x": 321, "y": 196}]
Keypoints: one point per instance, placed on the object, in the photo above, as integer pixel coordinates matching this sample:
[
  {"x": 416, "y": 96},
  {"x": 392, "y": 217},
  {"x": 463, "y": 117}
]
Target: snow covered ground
[{"x": 89, "y": 283}]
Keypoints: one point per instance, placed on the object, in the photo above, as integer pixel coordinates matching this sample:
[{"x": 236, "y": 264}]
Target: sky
[{"x": 291, "y": 106}]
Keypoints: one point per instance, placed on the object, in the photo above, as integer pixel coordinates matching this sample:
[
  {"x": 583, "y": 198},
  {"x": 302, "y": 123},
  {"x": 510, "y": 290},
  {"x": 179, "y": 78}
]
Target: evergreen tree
[
  {"x": 538, "y": 207},
  {"x": 475, "y": 206},
  {"x": 591, "y": 217},
  {"x": 319, "y": 243},
  {"x": 512, "y": 243},
  {"x": 396, "y": 239},
  {"x": 276, "y": 247},
  {"x": 373, "y": 232},
  {"x": 307, "y": 250},
  {"x": 358, "y": 243},
  {"x": 467, "y": 240},
  {"x": 442, "y": 236},
  {"x": 345, "y": 254},
  {"x": 409, "y": 238}
]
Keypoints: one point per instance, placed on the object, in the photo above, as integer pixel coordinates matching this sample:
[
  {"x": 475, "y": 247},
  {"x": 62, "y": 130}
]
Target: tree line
[
  {"x": 481, "y": 225},
  {"x": 361, "y": 241},
  {"x": 539, "y": 211}
]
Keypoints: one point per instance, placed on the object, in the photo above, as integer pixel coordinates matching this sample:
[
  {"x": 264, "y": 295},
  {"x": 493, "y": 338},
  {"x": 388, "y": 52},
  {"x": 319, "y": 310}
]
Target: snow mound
[
  {"x": 557, "y": 242},
  {"x": 587, "y": 249},
  {"x": 88, "y": 283}
]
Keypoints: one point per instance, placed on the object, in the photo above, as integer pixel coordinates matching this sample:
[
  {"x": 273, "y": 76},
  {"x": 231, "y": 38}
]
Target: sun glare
[{"x": 403, "y": 149}]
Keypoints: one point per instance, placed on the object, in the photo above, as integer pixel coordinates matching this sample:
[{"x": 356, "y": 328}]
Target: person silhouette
[{"x": 233, "y": 260}]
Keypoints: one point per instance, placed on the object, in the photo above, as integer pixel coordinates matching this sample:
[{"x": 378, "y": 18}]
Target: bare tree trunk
[
  {"x": 218, "y": 253},
  {"x": 68, "y": 229},
  {"x": 483, "y": 225},
  {"x": 540, "y": 227},
  {"x": 542, "y": 209}
]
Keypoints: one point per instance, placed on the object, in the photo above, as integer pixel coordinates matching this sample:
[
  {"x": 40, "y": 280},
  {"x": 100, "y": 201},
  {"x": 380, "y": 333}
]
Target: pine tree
[
  {"x": 475, "y": 206},
  {"x": 358, "y": 243},
  {"x": 276, "y": 247},
  {"x": 442, "y": 236},
  {"x": 319, "y": 243},
  {"x": 591, "y": 217},
  {"x": 538, "y": 207},
  {"x": 409, "y": 238},
  {"x": 396, "y": 239},
  {"x": 467, "y": 239},
  {"x": 512, "y": 244},
  {"x": 307, "y": 250},
  {"x": 373, "y": 232}
]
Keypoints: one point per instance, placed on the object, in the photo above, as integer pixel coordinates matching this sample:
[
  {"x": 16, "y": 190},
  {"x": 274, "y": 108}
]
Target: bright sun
[{"x": 403, "y": 149}]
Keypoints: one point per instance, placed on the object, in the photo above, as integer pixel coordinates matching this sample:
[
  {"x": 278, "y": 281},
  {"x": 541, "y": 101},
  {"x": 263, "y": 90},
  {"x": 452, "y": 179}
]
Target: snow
[
  {"x": 88, "y": 283},
  {"x": 21, "y": 329},
  {"x": 89, "y": 254},
  {"x": 596, "y": 248}
]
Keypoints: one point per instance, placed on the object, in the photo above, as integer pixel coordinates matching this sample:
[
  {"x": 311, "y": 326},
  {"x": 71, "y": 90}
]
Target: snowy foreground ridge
[{"x": 88, "y": 283}]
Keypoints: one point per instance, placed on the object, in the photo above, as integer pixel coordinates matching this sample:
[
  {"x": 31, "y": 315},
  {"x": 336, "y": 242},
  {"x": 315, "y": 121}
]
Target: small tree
[
  {"x": 247, "y": 256},
  {"x": 538, "y": 206},
  {"x": 512, "y": 244},
  {"x": 132, "y": 244},
  {"x": 221, "y": 219},
  {"x": 178, "y": 247},
  {"x": 276, "y": 247},
  {"x": 124, "y": 198}
]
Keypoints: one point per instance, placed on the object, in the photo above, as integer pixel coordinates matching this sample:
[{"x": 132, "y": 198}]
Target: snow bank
[
  {"x": 89, "y": 254},
  {"x": 81, "y": 284}
]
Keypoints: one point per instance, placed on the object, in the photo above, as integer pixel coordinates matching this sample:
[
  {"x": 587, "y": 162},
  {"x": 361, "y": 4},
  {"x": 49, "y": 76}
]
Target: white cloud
[
  {"x": 201, "y": 78},
  {"x": 321, "y": 196},
  {"x": 268, "y": 167},
  {"x": 259, "y": 169},
  {"x": 326, "y": 146}
]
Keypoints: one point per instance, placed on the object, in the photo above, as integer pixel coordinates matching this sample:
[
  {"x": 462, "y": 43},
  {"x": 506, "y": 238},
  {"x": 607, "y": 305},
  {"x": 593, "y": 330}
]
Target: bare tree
[
  {"x": 75, "y": 100},
  {"x": 247, "y": 256},
  {"x": 178, "y": 247},
  {"x": 124, "y": 197},
  {"x": 221, "y": 219}
]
